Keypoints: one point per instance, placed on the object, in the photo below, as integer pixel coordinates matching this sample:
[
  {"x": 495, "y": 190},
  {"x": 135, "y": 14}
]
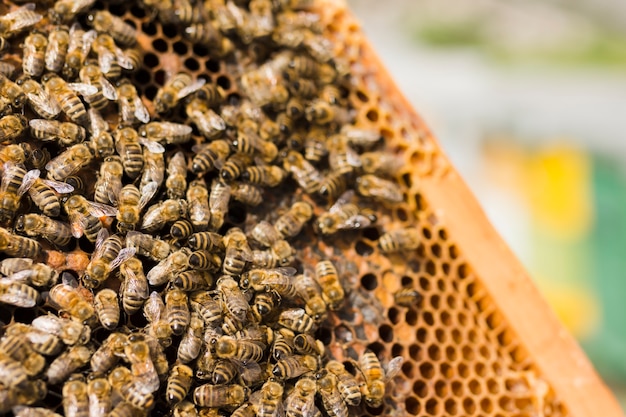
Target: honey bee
[
  {"x": 17, "y": 294},
  {"x": 232, "y": 298},
  {"x": 249, "y": 142},
  {"x": 177, "y": 310},
  {"x": 77, "y": 183},
  {"x": 178, "y": 383},
  {"x": 12, "y": 373},
  {"x": 154, "y": 312},
  {"x": 19, "y": 19},
  {"x": 65, "y": 94},
  {"x": 206, "y": 34},
  {"x": 11, "y": 127},
  {"x": 322, "y": 113},
  {"x": 264, "y": 85},
  {"x": 234, "y": 166},
  {"x": 224, "y": 371},
  {"x": 69, "y": 162},
  {"x": 26, "y": 271},
  {"x": 333, "y": 185},
  {"x": 122, "y": 381},
  {"x": 154, "y": 165},
  {"x": 248, "y": 194},
  {"x": 307, "y": 345},
  {"x": 205, "y": 363},
  {"x": 218, "y": 204},
  {"x": 108, "y": 254},
  {"x": 125, "y": 409},
  {"x": 147, "y": 245},
  {"x": 70, "y": 331},
  {"x": 67, "y": 363},
  {"x": 100, "y": 400},
  {"x": 263, "y": 304},
  {"x": 278, "y": 281},
  {"x": 174, "y": 90},
  {"x": 380, "y": 163},
  {"x": 109, "y": 352},
  {"x": 204, "y": 260},
  {"x": 206, "y": 240},
  {"x": 305, "y": 174},
  {"x": 21, "y": 350},
  {"x": 134, "y": 289},
  {"x": 280, "y": 254},
  {"x": 192, "y": 280},
  {"x": 376, "y": 377},
  {"x": 130, "y": 204},
  {"x": 19, "y": 246},
  {"x": 294, "y": 366},
  {"x": 66, "y": 10},
  {"x": 24, "y": 411},
  {"x": 297, "y": 320},
  {"x": 79, "y": 47},
  {"x": 34, "y": 55},
  {"x": 209, "y": 123},
  {"x": 130, "y": 59},
  {"x": 84, "y": 216},
  {"x": 244, "y": 351},
  {"x": 128, "y": 147},
  {"x": 13, "y": 153},
  {"x": 69, "y": 299},
  {"x": 101, "y": 142},
  {"x": 209, "y": 309},
  {"x": 167, "y": 132},
  {"x": 209, "y": 395},
  {"x": 331, "y": 93},
  {"x": 237, "y": 251},
  {"x": 301, "y": 401},
  {"x": 137, "y": 352},
  {"x": 7, "y": 69},
  {"x": 65, "y": 133},
  {"x": 407, "y": 297},
  {"x": 181, "y": 229},
  {"x": 271, "y": 398},
  {"x": 265, "y": 175},
  {"x": 385, "y": 191},
  {"x": 209, "y": 157},
  {"x": 174, "y": 264},
  {"x": 362, "y": 138},
  {"x": 57, "y": 47},
  {"x": 11, "y": 190},
  {"x": 41, "y": 342},
  {"x": 176, "y": 182},
  {"x": 75, "y": 399},
  {"x": 104, "y": 22},
  {"x": 191, "y": 342},
  {"x": 131, "y": 106},
  {"x": 399, "y": 240},
  {"x": 37, "y": 157},
  {"x": 91, "y": 74},
  {"x": 328, "y": 279},
  {"x": 107, "y": 308},
  {"x": 164, "y": 212},
  {"x": 333, "y": 403},
  {"x": 198, "y": 201},
  {"x": 291, "y": 223},
  {"x": 13, "y": 94},
  {"x": 110, "y": 59},
  {"x": 347, "y": 384},
  {"x": 341, "y": 158},
  {"x": 344, "y": 215},
  {"x": 109, "y": 182}
]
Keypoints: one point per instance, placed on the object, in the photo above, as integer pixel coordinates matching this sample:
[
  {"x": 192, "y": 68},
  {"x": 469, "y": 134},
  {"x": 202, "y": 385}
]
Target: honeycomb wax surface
[{"x": 461, "y": 354}]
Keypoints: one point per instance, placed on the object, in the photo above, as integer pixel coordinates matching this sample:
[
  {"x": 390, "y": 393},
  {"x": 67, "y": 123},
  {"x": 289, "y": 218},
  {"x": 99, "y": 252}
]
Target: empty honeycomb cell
[
  {"x": 412, "y": 405},
  {"x": 469, "y": 406},
  {"x": 394, "y": 315},
  {"x": 408, "y": 369},
  {"x": 160, "y": 45},
  {"x": 463, "y": 370},
  {"x": 451, "y": 353},
  {"x": 445, "y": 318},
  {"x": 434, "y": 352},
  {"x": 427, "y": 370},
  {"x": 486, "y": 405},
  {"x": 411, "y": 317},
  {"x": 432, "y": 407},
  {"x": 441, "y": 388},
  {"x": 450, "y": 406}
]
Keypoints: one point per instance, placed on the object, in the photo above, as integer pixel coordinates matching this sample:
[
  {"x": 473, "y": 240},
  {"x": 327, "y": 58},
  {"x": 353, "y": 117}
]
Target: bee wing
[
  {"x": 123, "y": 60},
  {"x": 393, "y": 367},
  {"x": 147, "y": 192},
  {"x": 21, "y": 276},
  {"x": 124, "y": 255},
  {"x": 287, "y": 271},
  {"x": 88, "y": 38},
  {"x": 22, "y": 17},
  {"x": 353, "y": 157},
  {"x": 215, "y": 120},
  {"x": 83, "y": 89},
  {"x": 68, "y": 279},
  {"x": 153, "y": 308},
  {"x": 126, "y": 109},
  {"x": 141, "y": 112},
  {"x": 108, "y": 91},
  {"x": 16, "y": 299},
  {"x": 77, "y": 223},
  {"x": 341, "y": 201},
  {"x": 10, "y": 171},
  {"x": 103, "y": 234},
  {"x": 101, "y": 210},
  {"x": 59, "y": 187},
  {"x": 355, "y": 222},
  {"x": 191, "y": 88},
  {"x": 29, "y": 179},
  {"x": 45, "y": 101},
  {"x": 249, "y": 371}
]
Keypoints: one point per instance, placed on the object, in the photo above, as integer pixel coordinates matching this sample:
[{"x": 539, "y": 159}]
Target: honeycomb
[{"x": 461, "y": 356}]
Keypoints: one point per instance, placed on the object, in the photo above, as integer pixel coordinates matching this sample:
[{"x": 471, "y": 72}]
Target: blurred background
[{"x": 528, "y": 99}]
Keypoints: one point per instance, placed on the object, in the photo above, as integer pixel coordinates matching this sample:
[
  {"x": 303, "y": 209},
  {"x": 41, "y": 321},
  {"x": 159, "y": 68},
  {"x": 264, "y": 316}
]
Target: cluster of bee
[{"x": 195, "y": 290}]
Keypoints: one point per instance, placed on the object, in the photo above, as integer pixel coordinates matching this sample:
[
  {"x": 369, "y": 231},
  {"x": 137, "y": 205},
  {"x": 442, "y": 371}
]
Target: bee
[
  {"x": 109, "y": 182},
  {"x": 333, "y": 185},
  {"x": 322, "y": 113},
  {"x": 301, "y": 401},
  {"x": 347, "y": 384},
  {"x": 204, "y": 34},
  {"x": 307, "y": 345},
  {"x": 279, "y": 281},
  {"x": 11, "y": 190},
  {"x": 380, "y": 163},
  {"x": 110, "y": 59},
  {"x": 7, "y": 69},
  {"x": 79, "y": 47},
  {"x": 167, "y": 132},
  {"x": 341, "y": 158},
  {"x": 41, "y": 342},
  {"x": 91, "y": 74},
  {"x": 24, "y": 270},
  {"x": 66, "y": 10},
  {"x": 244, "y": 351},
  {"x": 399, "y": 240},
  {"x": 122, "y": 381},
  {"x": 84, "y": 216},
  {"x": 265, "y": 175},
  {"x": 130, "y": 204},
  {"x": 206, "y": 241},
  {"x": 99, "y": 392},
  {"x": 209, "y": 123},
  {"x": 294, "y": 366},
  {"x": 192, "y": 280},
  {"x": 137, "y": 353},
  {"x": 332, "y": 400},
  {"x": 305, "y": 174},
  {"x": 209, "y": 309},
  {"x": 247, "y": 194},
  {"x": 19, "y": 19},
  {"x": 362, "y": 138},
  {"x": 125, "y": 409},
  {"x": 108, "y": 254},
  {"x": 263, "y": 304},
  {"x": 104, "y": 22},
  {"x": 407, "y": 297},
  {"x": 280, "y": 254},
  {"x": 181, "y": 229},
  {"x": 69, "y": 162},
  {"x": 344, "y": 215},
  {"x": 208, "y": 395},
  {"x": 328, "y": 279},
  {"x": 154, "y": 312},
  {"x": 57, "y": 47},
  {"x": 264, "y": 85},
  {"x": 375, "y": 377},
  {"x": 76, "y": 183},
  {"x": 232, "y": 298},
  {"x": 176, "y": 182},
  {"x": 164, "y": 212},
  {"x": 20, "y": 349},
  {"x": 234, "y": 166},
  {"x": 131, "y": 106},
  {"x": 154, "y": 166},
  {"x": 177, "y": 310},
  {"x": 297, "y": 320},
  {"x": 210, "y": 156},
  {"x": 23, "y": 411},
  {"x": 75, "y": 399},
  {"x": 128, "y": 147},
  {"x": 65, "y": 133},
  {"x": 218, "y": 204},
  {"x": 19, "y": 246},
  {"x": 65, "y": 95},
  {"x": 67, "y": 363},
  {"x": 13, "y": 94},
  {"x": 237, "y": 251},
  {"x": 34, "y": 55},
  {"x": 174, "y": 90},
  {"x": 303, "y": 88},
  {"x": 17, "y": 294},
  {"x": 134, "y": 289},
  {"x": 291, "y": 223},
  {"x": 311, "y": 292},
  {"x": 224, "y": 371},
  {"x": 198, "y": 205},
  {"x": 178, "y": 383},
  {"x": 71, "y": 332},
  {"x": 130, "y": 59},
  {"x": 101, "y": 142},
  {"x": 191, "y": 342},
  {"x": 107, "y": 308},
  {"x": 203, "y": 260},
  {"x": 385, "y": 191},
  {"x": 174, "y": 264},
  {"x": 11, "y": 127},
  {"x": 37, "y": 157},
  {"x": 249, "y": 142},
  {"x": 109, "y": 352},
  {"x": 69, "y": 299},
  {"x": 14, "y": 154},
  {"x": 271, "y": 398},
  {"x": 12, "y": 373}
]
